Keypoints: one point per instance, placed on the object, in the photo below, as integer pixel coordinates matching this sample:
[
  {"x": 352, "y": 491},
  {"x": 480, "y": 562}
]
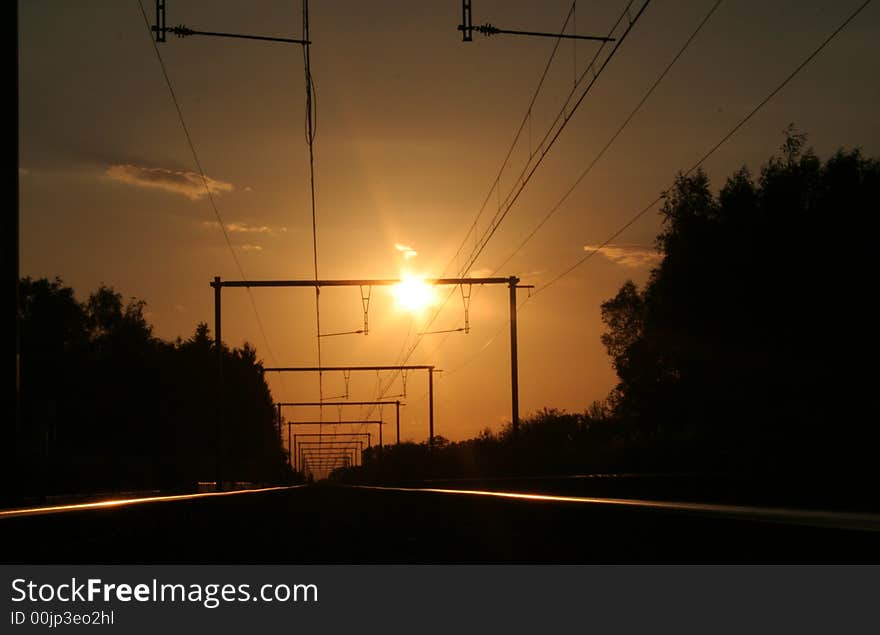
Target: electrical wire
[
  {"x": 311, "y": 121},
  {"x": 204, "y": 179},
  {"x": 565, "y": 115},
  {"x": 527, "y": 172},
  {"x": 526, "y": 119},
  {"x": 660, "y": 198},
  {"x": 713, "y": 149},
  {"x": 505, "y": 162},
  {"x": 401, "y": 358},
  {"x": 613, "y": 138}
]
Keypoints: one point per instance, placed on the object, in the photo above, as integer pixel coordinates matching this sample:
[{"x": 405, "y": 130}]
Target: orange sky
[{"x": 413, "y": 124}]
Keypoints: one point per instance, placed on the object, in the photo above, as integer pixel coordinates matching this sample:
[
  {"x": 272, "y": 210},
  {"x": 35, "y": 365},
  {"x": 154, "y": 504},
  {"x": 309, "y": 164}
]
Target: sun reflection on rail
[
  {"x": 815, "y": 518},
  {"x": 34, "y": 511}
]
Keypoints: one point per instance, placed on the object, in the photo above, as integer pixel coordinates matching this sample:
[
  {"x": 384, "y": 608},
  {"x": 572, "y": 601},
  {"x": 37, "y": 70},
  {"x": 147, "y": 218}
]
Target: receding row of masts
[
  {"x": 161, "y": 29},
  {"x": 512, "y": 282}
]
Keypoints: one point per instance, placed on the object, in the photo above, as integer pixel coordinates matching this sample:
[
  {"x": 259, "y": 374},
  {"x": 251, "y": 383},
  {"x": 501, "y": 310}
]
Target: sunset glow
[{"x": 413, "y": 294}]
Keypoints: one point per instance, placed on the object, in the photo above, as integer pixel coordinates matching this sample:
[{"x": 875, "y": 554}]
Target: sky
[{"x": 412, "y": 127}]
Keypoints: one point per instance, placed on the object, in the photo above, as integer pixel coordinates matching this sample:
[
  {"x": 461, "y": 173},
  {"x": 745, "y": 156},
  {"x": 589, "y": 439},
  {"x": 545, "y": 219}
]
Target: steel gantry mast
[
  {"x": 511, "y": 281},
  {"x": 354, "y": 422},
  {"x": 346, "y": 437},
  {"x": 324, "y": 369},
  {"x": 357, "y": 445},
  {"x": 340, "y": 404}
]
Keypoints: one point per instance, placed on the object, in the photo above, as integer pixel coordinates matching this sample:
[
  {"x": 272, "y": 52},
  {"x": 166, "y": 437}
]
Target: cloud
[
  {"x": 242, "y": 228},
  {"x": 248, "y": 247},
  {"x": 189, "y": 184},
  {"x": 480, "y": 273},
  {"x": 407, "y": 251},
  {"x": 628, "y": 255}
]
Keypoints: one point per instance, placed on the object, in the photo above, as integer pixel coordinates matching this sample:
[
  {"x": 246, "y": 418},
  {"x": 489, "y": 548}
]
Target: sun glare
[{"x": 413, "y": 294}]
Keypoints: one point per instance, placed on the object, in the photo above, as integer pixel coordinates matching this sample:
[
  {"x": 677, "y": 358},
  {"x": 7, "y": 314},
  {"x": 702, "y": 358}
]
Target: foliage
[
  {"x": 108, "y": 406},
  {"x": 743, "y": 350},
  {"x": 548, "y": 442}
]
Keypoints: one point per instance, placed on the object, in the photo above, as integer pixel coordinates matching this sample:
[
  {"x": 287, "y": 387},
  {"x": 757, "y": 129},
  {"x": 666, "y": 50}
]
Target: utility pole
[
  {"x": 324, "y": 369},
  {"x": 218, "y": 347},
  {"x": 514, "y": 371},
  {"x": 431, "y": 407},
  {"x": 514, "y": 358},
  {"x": 11, "y": 439},
  {"x": 467, "y": 24},
  {"x": 278, "y": 419}
]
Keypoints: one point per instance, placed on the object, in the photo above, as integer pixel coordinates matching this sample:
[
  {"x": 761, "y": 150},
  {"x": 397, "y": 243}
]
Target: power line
[
  {"x": 310, "y": 138},
  {"x": 495, "y": 185},
  {"x": 526, "y": 174},
  {"x": 660, "y": 198},
  {"x": 526, "y": 119},
  {"x": 715, "y": 147},
  {"x": 565, "y": 116},
  {"x": 204, "y": 178},
  {"x": 613, "y": 138}
]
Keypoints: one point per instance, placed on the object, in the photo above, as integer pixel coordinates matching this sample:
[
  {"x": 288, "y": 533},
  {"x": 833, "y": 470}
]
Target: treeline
[
  {"x": 548, "y": 442},
  {"x": 749, "y": 351},
  {"x": 748, "y": 345},
  {"x": 107, "y": 406}
]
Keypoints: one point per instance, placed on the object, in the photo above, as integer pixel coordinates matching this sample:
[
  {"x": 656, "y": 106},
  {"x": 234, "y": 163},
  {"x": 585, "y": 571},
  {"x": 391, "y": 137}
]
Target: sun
[{"x": 413, "y": 294}]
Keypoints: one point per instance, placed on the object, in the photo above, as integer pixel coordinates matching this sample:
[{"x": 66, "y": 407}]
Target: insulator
[
  {"x": 365, "y": 301},
  {"x": 182, "y": 31}
]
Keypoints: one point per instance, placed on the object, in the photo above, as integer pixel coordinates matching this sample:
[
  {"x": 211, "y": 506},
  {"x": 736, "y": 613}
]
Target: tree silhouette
[
  {"x": 742, "y": 350},
  {"x": 106, "y": 405}
]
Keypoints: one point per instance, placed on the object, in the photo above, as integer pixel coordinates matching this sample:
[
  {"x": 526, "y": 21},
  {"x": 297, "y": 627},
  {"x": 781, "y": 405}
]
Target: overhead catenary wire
[
  {"x": 566, "y": 115},
  {"x": 662, "y": 196},
  {"x": 712, "y": 149},
  {"x": 526, "y": 123},
  {"x": 311, "y": 121},
  {"x": 565, "y": 111},
  {"x": 204, "y": 178},
  {"x": 610, "y": 142},
  {"x": 613, "y": 137},
  {"x": 553, "y": 132},
  {"x": 528, "y": 172},
  {"x": 525, "y": 120}
]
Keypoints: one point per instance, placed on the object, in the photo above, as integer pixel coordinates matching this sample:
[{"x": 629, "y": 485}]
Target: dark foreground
[{"x": 326, "y": 524}]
